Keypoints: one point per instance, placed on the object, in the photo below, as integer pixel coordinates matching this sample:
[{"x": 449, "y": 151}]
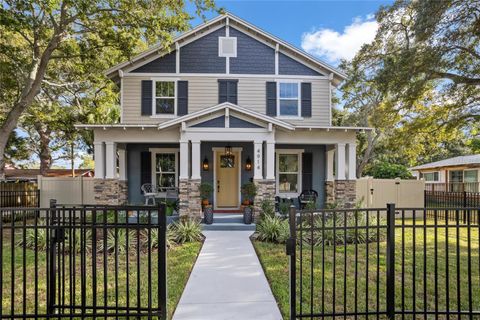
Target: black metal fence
[
  {"x": 84, "y": 262},
  {"x": 447, "y": 199},
  {"x": 382, "y": 263}
]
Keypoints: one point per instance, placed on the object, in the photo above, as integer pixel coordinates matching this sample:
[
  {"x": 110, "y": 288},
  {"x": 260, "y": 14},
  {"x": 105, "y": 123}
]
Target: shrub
[
  {"x": 324, "y": 233},
  {"x": 249, "y": 191},
  {"x": 121, "y": 244},
  {"x": 187, "y": 230},
  {"x": 30, "y": 236},
  {"x": 273, "y": 229},
  {"x": 268, "y": 209},
  {"x": 284, "y": 207},
  {"x": 73, "y": 240},
  {"x": 154, "y": 243}
]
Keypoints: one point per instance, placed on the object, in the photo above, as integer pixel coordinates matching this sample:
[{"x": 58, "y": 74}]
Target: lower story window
[
  {"x": 288, "y": 173},
  {"x": 165, "y": 174}
]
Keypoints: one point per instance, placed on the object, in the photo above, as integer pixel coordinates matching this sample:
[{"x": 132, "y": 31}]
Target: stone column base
[
  {"x": 265, "y": 191},
  {"x": 110, "y": 191},
  {"x": 190, "y": 204},
  {"x": 341, "y": 193}
]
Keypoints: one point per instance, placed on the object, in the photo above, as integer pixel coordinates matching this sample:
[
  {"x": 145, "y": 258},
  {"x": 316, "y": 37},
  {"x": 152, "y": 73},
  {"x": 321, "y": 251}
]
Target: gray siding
[
  {"x": 240, "y": 123},
  {"x": 133, "y": 169},
  {"x": 201, "y": 56},
  {"x": 253, "y": 57},
  {"x": 318, "y": 167},
  {"x": 165, "y": 64},
  {"x": 289, "y": 66},
  {"x": 212, "y": 123}
]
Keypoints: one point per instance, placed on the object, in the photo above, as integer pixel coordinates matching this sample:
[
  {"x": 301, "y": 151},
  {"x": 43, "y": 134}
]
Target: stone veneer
[
  {"x": 110, "y": 191},
  {"x": 265, "y": 191},
  {"x": 190, "y": 204},
  {"x": 341, "y": 192}
]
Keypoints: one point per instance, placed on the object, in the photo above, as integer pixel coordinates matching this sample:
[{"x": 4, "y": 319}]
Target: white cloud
[{"x": 333, "y": 46}]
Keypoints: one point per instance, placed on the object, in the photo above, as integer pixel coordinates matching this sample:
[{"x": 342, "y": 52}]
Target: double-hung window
[
  {"x": 164, "y": 98},
  {"x": 289, "y": 172},
  {"x": 288, "y": 99},
  {"x": 430, "y": 176},
  {"x": 164, "y": 168}
]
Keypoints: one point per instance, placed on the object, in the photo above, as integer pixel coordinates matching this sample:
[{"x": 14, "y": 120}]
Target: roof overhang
[{"x": 336, "y": 75}]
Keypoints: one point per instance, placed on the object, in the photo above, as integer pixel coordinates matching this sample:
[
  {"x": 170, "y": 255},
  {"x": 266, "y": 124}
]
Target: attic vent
[{"x": 227, "y": 46}]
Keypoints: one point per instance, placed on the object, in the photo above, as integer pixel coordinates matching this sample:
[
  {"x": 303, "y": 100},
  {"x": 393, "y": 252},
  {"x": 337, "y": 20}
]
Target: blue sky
[{"x": 327, "y": 29}]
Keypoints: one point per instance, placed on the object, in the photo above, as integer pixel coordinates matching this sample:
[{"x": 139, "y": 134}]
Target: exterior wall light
[
  {"x": 205, "y": 165},
  {"x": 248, "y": 164}
]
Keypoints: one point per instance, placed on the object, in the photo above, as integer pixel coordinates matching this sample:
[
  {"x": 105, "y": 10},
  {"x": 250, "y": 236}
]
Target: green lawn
[
  {"x": 180, "y": 260},
  {"x": 276, "y": 267}
]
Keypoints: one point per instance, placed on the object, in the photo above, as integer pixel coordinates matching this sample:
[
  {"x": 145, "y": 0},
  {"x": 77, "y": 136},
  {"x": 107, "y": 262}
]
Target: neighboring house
[
  {"x": 454, "y": 174},
  {"x": 14, "y": 174},
  {"x": 227, "y": 103}
]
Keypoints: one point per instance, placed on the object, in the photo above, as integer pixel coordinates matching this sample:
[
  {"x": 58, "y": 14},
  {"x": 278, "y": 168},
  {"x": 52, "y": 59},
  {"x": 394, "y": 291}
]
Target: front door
[{"x": 227, "y": 175}]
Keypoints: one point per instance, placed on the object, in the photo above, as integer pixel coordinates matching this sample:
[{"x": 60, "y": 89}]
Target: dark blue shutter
[
  {"x": 307, "y": 170},
  {"x": 227, "y": 91},
  {"x": 272, "y": 99},
  {"x": 182, "y": 98},
  {"x": 147, "y": 92},
  {"x": 145, "y": 167},
  {"x": 306, "y": 97}
]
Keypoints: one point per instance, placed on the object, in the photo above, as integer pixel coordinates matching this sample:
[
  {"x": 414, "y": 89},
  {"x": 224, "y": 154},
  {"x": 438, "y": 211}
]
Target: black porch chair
[{"x": 307, "y": 196}]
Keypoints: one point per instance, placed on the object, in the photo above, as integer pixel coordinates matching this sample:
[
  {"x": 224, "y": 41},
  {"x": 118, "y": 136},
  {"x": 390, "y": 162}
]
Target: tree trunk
[
  {"x": 368, "y": 153},
  {"x": 72, "y": 159},
  {"x": 45, "y": 154}
]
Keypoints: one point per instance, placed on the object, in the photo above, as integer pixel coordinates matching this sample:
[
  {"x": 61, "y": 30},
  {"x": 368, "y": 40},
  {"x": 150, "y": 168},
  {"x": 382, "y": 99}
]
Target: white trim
[
  {"x": 221, "y": 106},
  {"x": 297, "y": 152},
  {"x": 223, "y": 75},
  {"x": 200, "y": 35},
  {"x": 299, "y": 101},
  {"x": 154, "y": 152},
  {"x": 155, "y": 97},
  {"x": 234, "y": 149}
]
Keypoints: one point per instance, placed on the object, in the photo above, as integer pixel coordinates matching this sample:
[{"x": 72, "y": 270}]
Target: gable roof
[
  {"x": 160, "y": 50},
  {"x": 473, "y": 159},
  {"x": 223, "y": 106}
]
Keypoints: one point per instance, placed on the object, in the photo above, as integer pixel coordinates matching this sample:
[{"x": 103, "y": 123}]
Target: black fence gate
[
  {"x": 386, "y": 262},
  {"x": 83, "y": 262}
]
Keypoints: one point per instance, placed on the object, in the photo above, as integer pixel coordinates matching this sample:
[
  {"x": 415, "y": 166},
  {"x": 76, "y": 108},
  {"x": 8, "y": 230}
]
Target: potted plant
[
  {"x": 206, "y": 190},
  {"x": 249, "y": 191}
]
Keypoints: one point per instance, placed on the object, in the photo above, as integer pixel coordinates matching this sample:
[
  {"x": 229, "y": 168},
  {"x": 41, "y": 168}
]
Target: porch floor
[{"x": 227, "y": 282}]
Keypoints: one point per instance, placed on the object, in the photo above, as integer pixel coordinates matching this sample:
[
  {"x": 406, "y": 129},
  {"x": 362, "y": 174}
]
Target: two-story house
[{"x": 227, "y": 103}]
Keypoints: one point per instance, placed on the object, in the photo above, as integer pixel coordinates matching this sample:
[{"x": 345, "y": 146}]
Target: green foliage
[
  {"x": 386, "y": 170},
  {"x": 206, "y": 190},
  {"x": 284, "y": 207},
  {"x": 187, "y": 230},
  {"x": 249, "y": 191},
  {"x": 268, "y": 209},
  {"x": 117, "y": 241},
  {"x": 355, "y": 231},
  {"x": 273, "y": 229},
  {"x": 32, "y": 238}
]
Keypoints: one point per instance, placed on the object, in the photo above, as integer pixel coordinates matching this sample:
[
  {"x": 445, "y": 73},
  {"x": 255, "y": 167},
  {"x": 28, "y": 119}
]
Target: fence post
[
  {"x": 162, "y": 263},
  {"x": 51, "y": 258},
  {"x": 291, "y": 251},
  {"x": 391, "y": 261}
]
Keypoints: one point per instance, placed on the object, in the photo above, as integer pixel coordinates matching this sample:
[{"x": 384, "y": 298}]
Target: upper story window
[
  {"x": 288, "y": 99},
  {"x": 164, "y": 98}
]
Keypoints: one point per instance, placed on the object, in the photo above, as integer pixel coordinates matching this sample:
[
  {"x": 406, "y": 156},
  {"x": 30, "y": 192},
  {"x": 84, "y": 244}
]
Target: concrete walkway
[{"x": 227, "y": 282}]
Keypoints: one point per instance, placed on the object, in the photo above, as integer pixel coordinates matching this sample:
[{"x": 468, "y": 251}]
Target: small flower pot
[
  {"x": 208, "y": 215},
  {"x": 247, "y": 215}
]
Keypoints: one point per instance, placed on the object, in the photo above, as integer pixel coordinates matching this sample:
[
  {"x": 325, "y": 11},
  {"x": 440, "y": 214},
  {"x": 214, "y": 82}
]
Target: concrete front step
[{"x": 225, "y": 222}]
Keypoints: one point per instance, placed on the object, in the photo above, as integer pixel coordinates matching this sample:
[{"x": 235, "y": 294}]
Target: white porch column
[
  {"x": 110, "y": 160},
  {"x": 258, "y": 160},
  {"x": 270, "y": 174},
  {"x": 99, "y": 152},
  {"x": 340, "y": 161},
  {"x": 352, "y": 161},
  {"x": 329, "y": 164},
  {"x": 183, "y": 160},
  {"x": 122, "y": 164},
  {"x": 196, "y": 160}
]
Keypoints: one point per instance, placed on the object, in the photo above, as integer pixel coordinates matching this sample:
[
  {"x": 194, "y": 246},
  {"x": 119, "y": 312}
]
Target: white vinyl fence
[
  {"x": 66, "y": 190},
  {"x": 376, "y": 193}
]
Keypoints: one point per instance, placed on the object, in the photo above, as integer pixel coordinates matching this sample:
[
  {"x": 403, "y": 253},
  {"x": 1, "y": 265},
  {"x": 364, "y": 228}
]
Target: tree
[
  {"x": 87, "y": 162},
  {"x": 36, "y": 33},
  {"x": 387, "y": 170}
]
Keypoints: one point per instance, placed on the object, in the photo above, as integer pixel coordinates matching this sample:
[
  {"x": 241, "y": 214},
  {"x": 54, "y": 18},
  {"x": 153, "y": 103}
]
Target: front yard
[
  {"x": 180, "y": 261},
  {"x": 350, "y": 274}
]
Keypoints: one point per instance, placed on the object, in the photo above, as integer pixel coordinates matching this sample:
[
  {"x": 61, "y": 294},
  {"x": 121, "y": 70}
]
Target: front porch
[{"x": 226, "y": 147}]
